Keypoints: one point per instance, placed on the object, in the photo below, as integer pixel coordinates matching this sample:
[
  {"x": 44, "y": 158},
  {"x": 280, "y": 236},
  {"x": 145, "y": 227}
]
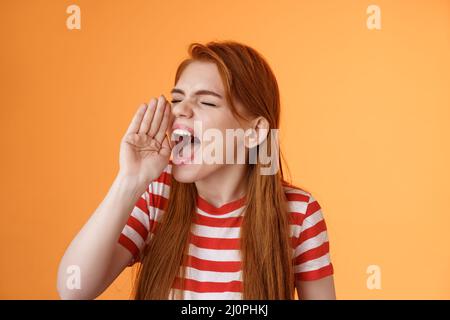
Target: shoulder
[
  {"x": 299, "y": 200},
  {"x": 303, "y": 208}
]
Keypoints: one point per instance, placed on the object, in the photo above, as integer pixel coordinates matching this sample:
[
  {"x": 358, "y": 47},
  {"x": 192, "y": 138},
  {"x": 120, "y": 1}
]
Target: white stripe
[
  {"x": 160, "y": 189},
  {"x": 211, "y": 276},
  {"x": 215, "y": 232},
  {"x": 314, "y": 264},
  {"x": 295, "y": 230},
  {"x": 213, "y": 254},
  {"x": 312, "y": 220},
  {"x": 311, "y": 243},
  {"x": 141, "y": 216},
  {"x": 311, "y": 199},
  {"x": 309, "y": 222},
  {"x": 133, "y": 236},
  {"x": 298, "y": 206},
  {"x": 297, "y": 191},
  {"x": 234, "y": 213},
  {"x": 191, "y": 295},
  {"x": 156, "y": 214}
]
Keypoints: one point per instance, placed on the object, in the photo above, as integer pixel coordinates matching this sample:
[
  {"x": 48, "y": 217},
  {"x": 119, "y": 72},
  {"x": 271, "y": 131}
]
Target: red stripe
[
  {"x": 203, "y": 205},
  {"x": 312, "y": 254},
  {"x": 315, "y": 274},
  {"x": 138, "y": 227},
  {"x": 297, "y": 197},
  {"x": 153, "y": 225},
  {"x": 297, "y": 218},
  {"x": 310, "y": 232},
  {"x": 313, "y": 207},
  {"x": 218, "y": 266},
  {"x": 232, "y": 222},
  {"x": 215, "y": 243},
  {"x": 142, "y": 204},
  {"x": 164, "y": 178},
  {"x": 130, "y": 245},
  {"x": 158, "y": 201},
  {"x": 200, "y": 286}
]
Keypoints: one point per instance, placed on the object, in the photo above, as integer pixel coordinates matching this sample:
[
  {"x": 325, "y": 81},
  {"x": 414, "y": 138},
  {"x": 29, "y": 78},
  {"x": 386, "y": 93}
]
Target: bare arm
[
  {"x": 95, "y": 246},
  {"x": 95, "y": 250},
  {"x": 322, "y": 289}
]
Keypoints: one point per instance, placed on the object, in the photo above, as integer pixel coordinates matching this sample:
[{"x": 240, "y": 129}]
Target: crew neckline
[{"x": 207, "y": 207}]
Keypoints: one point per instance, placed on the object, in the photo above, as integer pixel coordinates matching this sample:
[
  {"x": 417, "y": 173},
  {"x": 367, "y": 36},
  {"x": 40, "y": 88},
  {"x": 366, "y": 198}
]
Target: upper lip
[{"x": 184, "y": 127}]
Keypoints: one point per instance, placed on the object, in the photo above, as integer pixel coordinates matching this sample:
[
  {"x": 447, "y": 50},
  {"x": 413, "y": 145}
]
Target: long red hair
[{"x": 266, "y": 251}]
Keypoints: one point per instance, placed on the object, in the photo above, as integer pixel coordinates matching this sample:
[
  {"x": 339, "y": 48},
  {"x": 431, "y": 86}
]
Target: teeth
[
  {"x": 180, "y": 132},
  {"x": 179, "y": 135}
]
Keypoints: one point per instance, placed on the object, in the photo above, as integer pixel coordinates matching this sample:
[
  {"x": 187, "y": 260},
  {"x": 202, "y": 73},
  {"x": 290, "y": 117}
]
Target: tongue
[{"x": 186, "y": 153}]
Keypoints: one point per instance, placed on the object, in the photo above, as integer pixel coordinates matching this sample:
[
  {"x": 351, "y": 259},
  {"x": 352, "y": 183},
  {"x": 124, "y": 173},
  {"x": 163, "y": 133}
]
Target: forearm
[{"x": 93, "y": 247}]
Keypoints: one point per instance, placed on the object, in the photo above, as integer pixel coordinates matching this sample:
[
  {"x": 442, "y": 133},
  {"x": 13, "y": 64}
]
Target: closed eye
[
  {"x": 205, "y": 103},
  {"x": 209, "y": 104}
]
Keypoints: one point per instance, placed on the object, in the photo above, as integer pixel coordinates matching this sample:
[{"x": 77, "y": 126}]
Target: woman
[{"x": 206, "y": 229}]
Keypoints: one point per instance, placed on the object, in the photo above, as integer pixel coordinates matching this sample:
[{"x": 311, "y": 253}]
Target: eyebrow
[{"x": 199, "y": 92}]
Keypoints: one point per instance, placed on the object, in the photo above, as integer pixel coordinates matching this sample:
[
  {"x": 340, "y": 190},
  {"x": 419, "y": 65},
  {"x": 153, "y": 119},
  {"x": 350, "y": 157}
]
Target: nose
[{"x": 182, "y": 110}]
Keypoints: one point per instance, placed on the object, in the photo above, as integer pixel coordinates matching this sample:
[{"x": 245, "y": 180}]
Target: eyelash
[{"x": 205, "y": 103}]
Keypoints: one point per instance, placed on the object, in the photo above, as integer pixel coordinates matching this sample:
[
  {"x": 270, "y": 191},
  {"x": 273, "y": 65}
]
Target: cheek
[
  {"x": 221, "y": 122},
  {"x": 220, "y": 118}
]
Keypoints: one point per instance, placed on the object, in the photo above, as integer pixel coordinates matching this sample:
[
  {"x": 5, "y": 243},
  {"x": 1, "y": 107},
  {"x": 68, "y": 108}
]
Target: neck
[{"x": 223, "y": 186}]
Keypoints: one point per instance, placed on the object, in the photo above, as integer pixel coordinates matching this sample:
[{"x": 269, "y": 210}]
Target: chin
[{"x": 188, "y": 173}]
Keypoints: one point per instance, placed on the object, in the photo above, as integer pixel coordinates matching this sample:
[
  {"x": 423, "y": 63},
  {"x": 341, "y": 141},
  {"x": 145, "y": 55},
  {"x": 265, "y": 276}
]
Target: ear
[{"x": 257, "y": 132}]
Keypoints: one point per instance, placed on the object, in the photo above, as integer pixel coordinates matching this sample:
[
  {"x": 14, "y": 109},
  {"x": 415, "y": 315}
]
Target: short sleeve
[
  {"x": 135, "y": 233},
  {"x": 146, "y": 215},
  {"x": 312, "y": 250}
]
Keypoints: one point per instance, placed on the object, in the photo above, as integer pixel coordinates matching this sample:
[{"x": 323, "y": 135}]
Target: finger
[
  {"x": 166, "y": 148},
  {"x": 168, "y": 139},
  {"x": 169, "y": 126},
  {"x": 156, "y": 121},
  {"x": 164, "y": 124},
  {"x": 147, "y": 120},
  {"x": 137, "y": 119}
]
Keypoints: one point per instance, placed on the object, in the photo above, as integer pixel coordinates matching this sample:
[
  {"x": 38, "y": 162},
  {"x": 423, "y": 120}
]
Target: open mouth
[{"x": 186, "y": 144}]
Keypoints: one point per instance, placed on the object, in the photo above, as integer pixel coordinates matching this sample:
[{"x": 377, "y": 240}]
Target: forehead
[{"x": 201, "y": 75}]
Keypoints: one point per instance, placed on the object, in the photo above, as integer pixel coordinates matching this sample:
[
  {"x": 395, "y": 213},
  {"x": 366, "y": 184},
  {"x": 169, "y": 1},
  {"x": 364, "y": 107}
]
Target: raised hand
[{"x": 145, "y": 148}]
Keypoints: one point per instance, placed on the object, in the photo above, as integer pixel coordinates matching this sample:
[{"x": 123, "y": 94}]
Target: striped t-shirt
[{"x": 213, "y": 267}]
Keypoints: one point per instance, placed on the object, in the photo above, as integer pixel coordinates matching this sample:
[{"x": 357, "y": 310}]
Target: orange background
[{"x": 365, "y": 124}]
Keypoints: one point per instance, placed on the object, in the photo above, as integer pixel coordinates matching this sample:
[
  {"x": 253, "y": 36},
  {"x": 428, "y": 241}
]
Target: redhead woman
[{"x": 200, "y": 204}]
